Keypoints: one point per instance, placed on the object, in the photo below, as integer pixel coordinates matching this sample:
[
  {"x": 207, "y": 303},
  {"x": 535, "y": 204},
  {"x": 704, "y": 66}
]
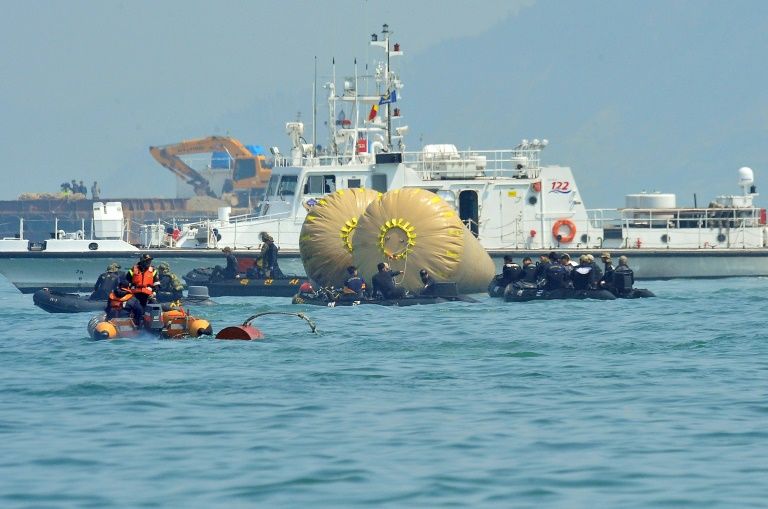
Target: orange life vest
[
  {"x": 143, "y": 281},
  {"x": 116, "y": 302}
]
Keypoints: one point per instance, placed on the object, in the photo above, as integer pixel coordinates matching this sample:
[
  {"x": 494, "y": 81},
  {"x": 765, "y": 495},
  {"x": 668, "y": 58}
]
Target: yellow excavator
[{"x": 249, "y": 173}]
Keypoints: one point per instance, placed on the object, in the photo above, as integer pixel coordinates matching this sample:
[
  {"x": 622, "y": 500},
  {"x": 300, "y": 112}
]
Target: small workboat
[
  {"x": 161, "y": 320},
  {"x": 244, "y": 286},
  {"x": 58, "y": 302}
]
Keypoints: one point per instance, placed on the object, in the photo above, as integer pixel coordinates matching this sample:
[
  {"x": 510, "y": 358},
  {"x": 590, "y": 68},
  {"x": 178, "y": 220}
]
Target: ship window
[
  {"x": 320, "y": 184},
  {"x": 353, "y": 183},
  {"x": 244, "y": 169},
  {"x": 379, "y": 183},
  {"x": 287, "y": 185},
  {"x": 272, "y": 186}
]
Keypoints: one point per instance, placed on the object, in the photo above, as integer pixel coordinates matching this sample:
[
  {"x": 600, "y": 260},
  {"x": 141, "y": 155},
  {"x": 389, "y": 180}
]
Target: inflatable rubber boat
[
  {"x": 516, "y": 292},
  {"x": 243, "y": 286},
  {"x": 634, "y": 293},
  {"x": 159, "y": 320},
  {"x": 57, "y": 302},
  {"x": 329, "y": 297}
]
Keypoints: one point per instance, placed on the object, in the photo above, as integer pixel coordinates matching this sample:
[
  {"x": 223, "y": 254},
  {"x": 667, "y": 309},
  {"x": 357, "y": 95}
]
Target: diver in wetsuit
[
  {"x": 107, "y": 282},
  {"x": 384, "y": 285}
]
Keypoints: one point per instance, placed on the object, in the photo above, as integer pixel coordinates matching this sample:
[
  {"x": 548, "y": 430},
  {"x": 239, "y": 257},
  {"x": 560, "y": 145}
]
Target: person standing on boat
[
  {"x": 542, "y": 267},
  {"x": 144, "y": 279},
  {"x": 95, "y": 191},
  {"x": 230, "y": 271},
  {"x": 623, "y": 277},
  {"x": 107, "y": 282},
  {"x": 123, "y": 303},
  {"x": 269, "y": 256},
  {"x": 354, "y": 286},
  {"x": 384, "y": 284}
]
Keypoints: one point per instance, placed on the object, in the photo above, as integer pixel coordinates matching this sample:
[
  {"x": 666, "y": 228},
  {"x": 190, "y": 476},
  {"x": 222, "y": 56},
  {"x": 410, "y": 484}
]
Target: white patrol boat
[{"x": 512, "y": 203}]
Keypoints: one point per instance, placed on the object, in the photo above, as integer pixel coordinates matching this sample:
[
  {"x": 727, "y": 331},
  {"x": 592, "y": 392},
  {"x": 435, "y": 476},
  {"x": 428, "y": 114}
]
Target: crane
[{"x": 250, "y": 171}]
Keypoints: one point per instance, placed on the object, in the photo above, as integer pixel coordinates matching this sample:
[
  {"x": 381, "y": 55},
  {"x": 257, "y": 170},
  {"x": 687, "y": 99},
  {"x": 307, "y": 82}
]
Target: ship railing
[
  {"x": 678, "y": 218},
  {"x": 444, "y": 162}
]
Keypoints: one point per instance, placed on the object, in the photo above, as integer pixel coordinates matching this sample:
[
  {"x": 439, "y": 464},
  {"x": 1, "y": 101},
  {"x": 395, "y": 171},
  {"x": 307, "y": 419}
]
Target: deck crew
[
  {"x": 143, "y": 279},
  {"x": 384, "y": 284},
  {"x": 354, "y": 286},
  {"x": 230, "y": 271},
  {"x": 623, "y": 277},
  {"x": 123, "y": 303},
  {"x": 107, "y": 282},
  {"x": 170, "y": 287}
]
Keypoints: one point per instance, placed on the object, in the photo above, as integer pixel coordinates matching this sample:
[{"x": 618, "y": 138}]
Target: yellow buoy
[
  {"x": 415, "y": 229},
  {"x": 326, "y": 238},
  {"x": 104, "y": 330}
]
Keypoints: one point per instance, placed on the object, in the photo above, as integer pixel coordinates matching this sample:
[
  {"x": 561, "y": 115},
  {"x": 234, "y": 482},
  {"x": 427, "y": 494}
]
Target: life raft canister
[{"x": 564, "y": 239}]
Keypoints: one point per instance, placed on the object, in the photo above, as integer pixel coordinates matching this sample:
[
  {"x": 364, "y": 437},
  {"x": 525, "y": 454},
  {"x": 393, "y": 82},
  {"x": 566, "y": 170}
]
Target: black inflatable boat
[
  {"x": 520, "y": 293},
  {"x": 243, "y": 286},
  {"x": 58, "y": 302}
]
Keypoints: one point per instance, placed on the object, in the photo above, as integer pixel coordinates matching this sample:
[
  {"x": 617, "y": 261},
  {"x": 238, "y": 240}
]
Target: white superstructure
[{"x": 505, "y": 197}]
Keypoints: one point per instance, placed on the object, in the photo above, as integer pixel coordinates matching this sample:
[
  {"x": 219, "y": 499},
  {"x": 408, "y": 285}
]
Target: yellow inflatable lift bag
[
  {"x": 325, "y": 241},
  {"x": 414, "y": 229}
]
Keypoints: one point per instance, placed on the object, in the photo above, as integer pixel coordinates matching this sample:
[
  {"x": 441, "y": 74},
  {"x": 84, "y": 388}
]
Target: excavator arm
[{"x": 169, "y": 157}]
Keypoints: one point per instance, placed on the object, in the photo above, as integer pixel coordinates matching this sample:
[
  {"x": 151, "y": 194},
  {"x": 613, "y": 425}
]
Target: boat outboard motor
[{"x": 155, "y": 313}]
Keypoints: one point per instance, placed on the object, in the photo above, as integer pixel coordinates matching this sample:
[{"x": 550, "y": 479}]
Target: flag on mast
[
  {"x": 374, "y": 112},
  {"x": 388, "y": 98}
]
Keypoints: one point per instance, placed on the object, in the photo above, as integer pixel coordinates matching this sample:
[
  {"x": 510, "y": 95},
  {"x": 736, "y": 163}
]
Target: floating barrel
[
  {"x": 415, "y": 229},
  {"x": 325, "y": 242},
  {"x": 243, "y": 332}
]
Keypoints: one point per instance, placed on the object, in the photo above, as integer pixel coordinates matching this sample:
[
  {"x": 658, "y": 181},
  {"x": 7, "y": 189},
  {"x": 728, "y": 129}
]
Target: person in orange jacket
[{"x": 144, "y": 280}]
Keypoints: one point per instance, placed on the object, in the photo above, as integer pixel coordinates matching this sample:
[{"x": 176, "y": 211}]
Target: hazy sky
[{"x": 654, "y": 95}]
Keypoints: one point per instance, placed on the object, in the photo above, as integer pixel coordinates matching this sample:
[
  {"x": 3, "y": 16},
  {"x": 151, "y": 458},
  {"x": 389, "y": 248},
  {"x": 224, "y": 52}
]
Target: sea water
[{"x": 645, "y": 403}]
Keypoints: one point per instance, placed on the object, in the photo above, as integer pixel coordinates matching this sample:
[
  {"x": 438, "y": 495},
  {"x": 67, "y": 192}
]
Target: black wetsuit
[
  {"x": 429, "y": 286},
  {"x": 383, "y": 283},
  {"x": 557, "y": 277},
  {"x": 269, "y": 260},
  {"x": 105, "y": 285},
  {"x": 529, "y": 273},
  {"x": 230, "y": 271},
  {"x": 510, "y": 273}
]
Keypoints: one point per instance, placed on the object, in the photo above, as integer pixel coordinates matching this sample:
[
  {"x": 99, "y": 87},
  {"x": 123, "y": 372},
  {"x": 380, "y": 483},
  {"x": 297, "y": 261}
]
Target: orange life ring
[{"x": 564, "y": 239}]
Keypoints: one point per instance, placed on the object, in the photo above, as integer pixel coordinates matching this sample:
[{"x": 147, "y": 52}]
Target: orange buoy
[{"x": 243, "y": 332}]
